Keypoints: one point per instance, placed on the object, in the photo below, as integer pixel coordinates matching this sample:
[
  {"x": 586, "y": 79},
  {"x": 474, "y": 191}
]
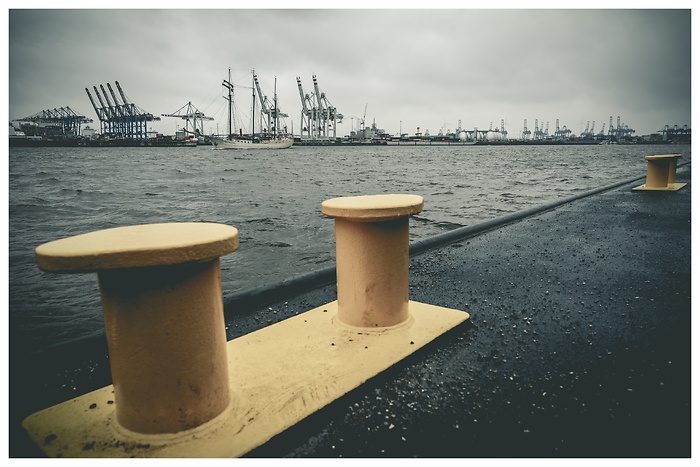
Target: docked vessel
[
  {"x": 239, "y": 143},
  {"x": 273, "y": 139}
]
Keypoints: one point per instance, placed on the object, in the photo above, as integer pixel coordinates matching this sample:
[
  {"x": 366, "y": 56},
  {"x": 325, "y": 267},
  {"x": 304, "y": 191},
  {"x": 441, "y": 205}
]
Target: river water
[{"x": 272, "y": 197}]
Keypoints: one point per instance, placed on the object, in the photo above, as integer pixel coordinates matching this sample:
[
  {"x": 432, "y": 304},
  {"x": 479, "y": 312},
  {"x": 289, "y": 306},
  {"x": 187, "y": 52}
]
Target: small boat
[{"x": 273, "y": 139}]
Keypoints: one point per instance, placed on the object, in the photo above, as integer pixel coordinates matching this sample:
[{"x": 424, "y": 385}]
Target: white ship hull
[{"x": 278, "y": 143}]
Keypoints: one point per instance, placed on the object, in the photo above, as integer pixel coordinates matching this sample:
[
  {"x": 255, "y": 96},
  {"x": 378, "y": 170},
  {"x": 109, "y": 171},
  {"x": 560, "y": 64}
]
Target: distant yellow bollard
[
  {"x": 372, "y": 257},
  {"x": 661, "y": 173},
  {"x": 160, "y": 286}
]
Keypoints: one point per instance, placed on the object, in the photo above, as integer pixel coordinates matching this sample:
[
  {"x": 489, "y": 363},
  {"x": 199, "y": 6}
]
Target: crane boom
[
  {"x": 119, "y": 108},
  {"x": 112, "y": 110},
  {"x": 99, "y": 112},
  {"x": 105, "y": 109},
  {"x": 127, "y": 107},
  {"x": 264, "y": 102},
  {"x": 301, "y": 95},
  {"x": 319, "y": 104}
]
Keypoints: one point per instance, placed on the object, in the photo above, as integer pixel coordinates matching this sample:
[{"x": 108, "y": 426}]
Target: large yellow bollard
[
  {"x": 661, "y": 173},
  {"x": 372, "y": 257},
  {"x": 160, "y": 286}
]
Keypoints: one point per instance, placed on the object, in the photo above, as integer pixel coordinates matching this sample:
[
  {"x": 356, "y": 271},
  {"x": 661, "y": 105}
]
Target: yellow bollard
[
  {"x": 661, "y": 173},
  {"x": 160, "y": 287},
  {"x": 372, "y": 257}
]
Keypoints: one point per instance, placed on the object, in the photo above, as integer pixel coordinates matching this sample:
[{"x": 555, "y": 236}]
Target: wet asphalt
[{"x": 578, "y": 345}]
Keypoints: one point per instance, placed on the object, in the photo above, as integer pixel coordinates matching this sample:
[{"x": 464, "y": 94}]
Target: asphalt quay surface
[{"x": 578, "y": 345}]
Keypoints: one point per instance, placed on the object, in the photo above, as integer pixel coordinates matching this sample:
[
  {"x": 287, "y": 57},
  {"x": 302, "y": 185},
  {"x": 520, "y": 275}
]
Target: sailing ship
[{"x": 270, "y": 138}]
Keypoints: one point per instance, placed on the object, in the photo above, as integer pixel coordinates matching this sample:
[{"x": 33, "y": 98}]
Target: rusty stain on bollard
[
  {"x": 372, "y": 257},
  {"x": 279, "y": 374},
  {"x": 661, "y": 173}
]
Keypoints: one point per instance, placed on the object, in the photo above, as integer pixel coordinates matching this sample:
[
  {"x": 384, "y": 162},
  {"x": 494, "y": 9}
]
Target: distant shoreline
[{"x": 77, "y": 142}]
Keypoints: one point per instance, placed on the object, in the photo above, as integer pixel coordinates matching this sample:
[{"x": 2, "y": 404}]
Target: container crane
[
  {"x": 194, "y": 119},
  {"x": 307, "y": 112},
  {"x": 318, "y": 115},
  {"x": 362, "y": 123},
  {"x": 62, "y": 121},
  {"x": 101, "y": 114},
  {"x": 124, "y": 119},
  {"x": 562, "y": 133}
]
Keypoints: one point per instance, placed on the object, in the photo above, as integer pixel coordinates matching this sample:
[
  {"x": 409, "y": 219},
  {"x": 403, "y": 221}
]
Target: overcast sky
[{"x": 427, "y": 68}]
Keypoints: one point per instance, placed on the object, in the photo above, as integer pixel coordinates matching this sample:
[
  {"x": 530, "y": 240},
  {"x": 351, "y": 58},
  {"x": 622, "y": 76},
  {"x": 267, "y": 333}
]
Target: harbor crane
[
  {"x": 562, "y": 133},
  {"x": 504, "y": 132},
  {"x": 306, "y": 111},
  {"x": 318, "y": 116},
  {"x": 676, "y": 133},
  {"x": 589, "y": 132},
  {"x": 124, "y": 119},
  {"x": 539, "y": 132},
  {"x": 271, "y": 112},
  {"x": 526, "y": 131},
  {"x": 622, "y": 131},
  {"x": 194, "y": 119},
  {"x": 62, "y": 121},
  {"x": 364, "y": 115}
]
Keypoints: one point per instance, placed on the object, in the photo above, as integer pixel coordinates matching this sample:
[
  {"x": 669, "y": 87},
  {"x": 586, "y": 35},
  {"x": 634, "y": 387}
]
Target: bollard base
[
  {"x": 669, "y": 187},
  {"x": 279, "y": 375}
]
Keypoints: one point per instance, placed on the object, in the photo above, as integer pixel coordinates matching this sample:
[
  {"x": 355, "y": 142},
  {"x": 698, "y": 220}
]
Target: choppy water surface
[{"x": 274, "y": 200}]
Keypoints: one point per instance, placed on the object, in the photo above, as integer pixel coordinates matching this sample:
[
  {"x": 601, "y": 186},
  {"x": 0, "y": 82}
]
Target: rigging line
[
  {"x": 247, "y": 77},
  {"x": 213, "y": 91}
]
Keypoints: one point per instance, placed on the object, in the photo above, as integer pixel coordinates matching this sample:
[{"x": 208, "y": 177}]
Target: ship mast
[
  {"x": 253, "y": 134},
  {"x": 277, "y": 118},
  {"x": 229, "y": 86}
]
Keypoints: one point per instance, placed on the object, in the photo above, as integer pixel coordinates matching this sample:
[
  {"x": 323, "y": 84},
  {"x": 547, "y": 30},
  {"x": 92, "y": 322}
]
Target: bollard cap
[
  {"x": 662, "y": 156},
  {"x": 138, "y": 246},
  {"x": 373, "y": 208}
]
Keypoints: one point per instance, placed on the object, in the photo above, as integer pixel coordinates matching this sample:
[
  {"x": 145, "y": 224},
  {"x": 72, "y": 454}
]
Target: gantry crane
[
  {"x": 62, "y": 121},
  {"x": 562, "y": 133},
  {"x": 123, "y": 119},
  {"x": 194, "y": 119},
  {"x": 622, "y": 131},
  {"x": 526, "y": 131},
  {"x": 318, "y": 116}
]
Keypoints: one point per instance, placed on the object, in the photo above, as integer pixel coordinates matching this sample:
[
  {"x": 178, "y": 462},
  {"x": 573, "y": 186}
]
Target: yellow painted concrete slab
[
  {"x": 669, "y": 187},
  {"x": 279, "y": 375}
]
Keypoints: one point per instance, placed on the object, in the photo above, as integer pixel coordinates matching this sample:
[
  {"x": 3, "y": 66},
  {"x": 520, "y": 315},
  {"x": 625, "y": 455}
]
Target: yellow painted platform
[
  {"x": 279, "y": 375},
  {"x": 669, "y": 187}
]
